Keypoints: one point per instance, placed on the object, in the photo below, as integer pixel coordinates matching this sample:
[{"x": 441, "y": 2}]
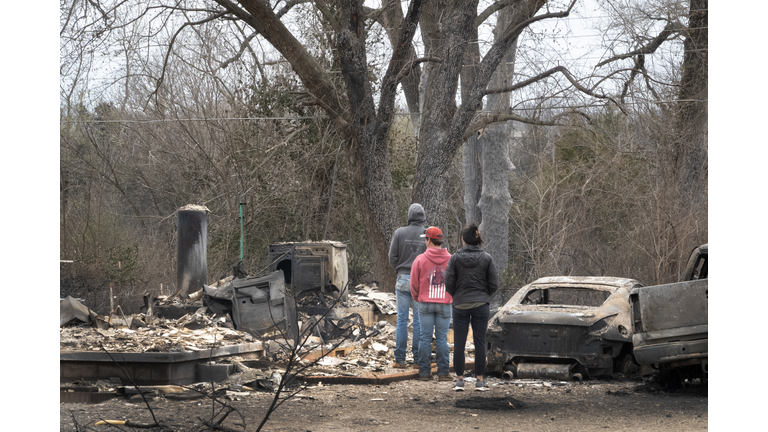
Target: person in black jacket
[{"x": 471, "y": 280}]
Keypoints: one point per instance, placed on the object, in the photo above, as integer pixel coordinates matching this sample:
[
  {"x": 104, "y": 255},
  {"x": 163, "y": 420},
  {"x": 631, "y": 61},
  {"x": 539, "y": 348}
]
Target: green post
[{"x": 241, "y": 230}]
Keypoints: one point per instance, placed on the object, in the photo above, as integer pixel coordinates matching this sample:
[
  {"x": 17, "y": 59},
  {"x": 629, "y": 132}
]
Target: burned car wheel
[{"x": 627, "y": 366}]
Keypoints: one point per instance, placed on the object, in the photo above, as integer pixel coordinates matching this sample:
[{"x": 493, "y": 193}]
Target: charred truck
[{"x": 670, "y": 323}]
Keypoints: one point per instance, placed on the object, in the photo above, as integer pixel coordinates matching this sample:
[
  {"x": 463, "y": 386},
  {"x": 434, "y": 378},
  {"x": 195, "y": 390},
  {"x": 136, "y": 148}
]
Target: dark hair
[
  {"x": 471, "y": 235},
  {"x": 436, "y": 242}
]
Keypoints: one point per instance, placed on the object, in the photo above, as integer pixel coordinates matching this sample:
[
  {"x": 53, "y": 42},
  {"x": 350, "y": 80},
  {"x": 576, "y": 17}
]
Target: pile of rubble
[
  {"x": 161, "y": 335},
  {"x": 81, "y": 329},
  {"x": 334, "y": 345}
]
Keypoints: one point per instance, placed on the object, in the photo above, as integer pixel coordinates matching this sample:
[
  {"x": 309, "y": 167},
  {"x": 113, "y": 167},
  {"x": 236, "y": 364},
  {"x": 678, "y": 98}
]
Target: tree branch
[
  {"x": 464, "y": 115},
  {"x": 669, "y": 30},
  {"x": 399, "y": 54},
  {"x": 515, "y": 31},
  {"x": 639, "y": 62},
  {"x": 262, "y": 19},
  {"x": 375, "y": 14},
  {"x": 552, "y": 71},
  {"x": 235, "y": 10},
  {"x": 328, "y": 15},
  {"x": 484, "y": 15},
  {"x": 479, "y": 125},
  {"x": 170, "y": 47},
  {"x": 413, "y": 63},
  {"x": 288, "y": 6},
  {"x": 243, "y": 46},
  {"x": 650, "y": 87}
]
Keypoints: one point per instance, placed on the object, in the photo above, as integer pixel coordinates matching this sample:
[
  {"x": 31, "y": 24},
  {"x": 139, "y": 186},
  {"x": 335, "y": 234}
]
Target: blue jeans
[
  {"x": 462, "y": 318},
  {"x": 437, "y": 316},
  {"x": 404, "y": 303}
]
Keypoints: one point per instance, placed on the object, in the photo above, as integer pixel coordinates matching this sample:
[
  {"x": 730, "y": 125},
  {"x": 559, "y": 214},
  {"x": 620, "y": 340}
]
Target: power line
[
  {"x": 397, "y": 114},
  {"x": 199, "y": 119}
]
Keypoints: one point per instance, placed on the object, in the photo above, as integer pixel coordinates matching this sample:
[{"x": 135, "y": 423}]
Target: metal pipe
[
  {"x": 508, "y": 376},
  {"x": 576, "y": 377},
  {"x": 242, "y": 203}
]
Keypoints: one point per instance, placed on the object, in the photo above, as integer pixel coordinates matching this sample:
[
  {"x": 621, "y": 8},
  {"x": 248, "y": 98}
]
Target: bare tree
[
  {"x": 341, "y": 81},
  {"x": 486, "y": 159}
]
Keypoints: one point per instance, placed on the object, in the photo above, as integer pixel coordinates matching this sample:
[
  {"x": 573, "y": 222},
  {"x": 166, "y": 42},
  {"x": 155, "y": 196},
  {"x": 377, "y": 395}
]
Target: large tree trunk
[
  {"x": 364, "y": 129},
  {"x": 391, "y": 19},
  {"x": 692, "y": 124},
  {"x": 448, "y": 33},
  {"x": 371, "y": 128},
  {"x": 443, "y": 129},
  {"x": 495, "y": 200},
  {"x": 373, "y": 181},
  {"x": 471, "y": 154}
]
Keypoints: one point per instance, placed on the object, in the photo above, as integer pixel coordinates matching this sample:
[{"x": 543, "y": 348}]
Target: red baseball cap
[{"x": 433, "y": 233}]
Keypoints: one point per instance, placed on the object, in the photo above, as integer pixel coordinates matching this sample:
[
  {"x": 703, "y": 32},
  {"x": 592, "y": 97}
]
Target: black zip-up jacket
[{"x": 471, "y": 276}]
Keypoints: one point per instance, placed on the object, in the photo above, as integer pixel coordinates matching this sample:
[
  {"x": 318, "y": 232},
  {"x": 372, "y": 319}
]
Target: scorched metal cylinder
[{"x": 191, "y": 257}]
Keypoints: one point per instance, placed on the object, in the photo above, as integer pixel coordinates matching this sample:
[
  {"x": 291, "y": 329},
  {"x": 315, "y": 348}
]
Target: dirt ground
[{"x": 517, "y": 405}]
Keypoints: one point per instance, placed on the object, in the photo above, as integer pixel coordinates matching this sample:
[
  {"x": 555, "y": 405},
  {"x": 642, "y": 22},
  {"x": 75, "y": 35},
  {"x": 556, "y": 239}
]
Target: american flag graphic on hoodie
[{"x": 437, "y": 283}]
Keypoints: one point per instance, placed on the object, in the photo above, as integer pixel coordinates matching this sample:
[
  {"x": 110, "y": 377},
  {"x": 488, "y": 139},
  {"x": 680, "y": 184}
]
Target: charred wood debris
[{"x": 339, "y": 345}]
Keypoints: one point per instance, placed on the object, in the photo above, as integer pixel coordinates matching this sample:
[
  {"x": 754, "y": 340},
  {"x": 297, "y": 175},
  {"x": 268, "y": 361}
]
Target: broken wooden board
[
  {"x": 376, "y": 379},
  {"x": 338, "y": 352}
]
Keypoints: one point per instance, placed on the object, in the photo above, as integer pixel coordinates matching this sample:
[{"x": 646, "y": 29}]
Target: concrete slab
[
  {"x": 177, "y": 368},
  {"x": 213, "y": 372},
  {"x": 84, "y": 397}
]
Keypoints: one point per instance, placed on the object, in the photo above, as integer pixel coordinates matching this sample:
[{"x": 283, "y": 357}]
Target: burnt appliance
[{"x": 319, "y": 267}]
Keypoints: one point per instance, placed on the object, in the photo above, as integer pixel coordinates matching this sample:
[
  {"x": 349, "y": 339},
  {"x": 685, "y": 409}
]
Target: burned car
[
  {"x": 565, "y": 328},
  {"x": 670, "y": 323}
]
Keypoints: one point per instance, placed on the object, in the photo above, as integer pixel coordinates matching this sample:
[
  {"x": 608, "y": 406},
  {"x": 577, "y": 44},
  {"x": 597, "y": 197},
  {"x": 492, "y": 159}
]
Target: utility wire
[{"x": 641, "y": 101}]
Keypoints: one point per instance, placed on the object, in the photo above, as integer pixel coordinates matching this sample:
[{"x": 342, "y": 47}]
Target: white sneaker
[
  {"x": 459, "y": 386},
  {"x": 481, "y": 386}
]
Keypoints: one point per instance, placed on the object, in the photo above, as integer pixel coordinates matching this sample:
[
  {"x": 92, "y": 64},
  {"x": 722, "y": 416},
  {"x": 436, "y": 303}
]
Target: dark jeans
[{"x": 462, "y": 318}]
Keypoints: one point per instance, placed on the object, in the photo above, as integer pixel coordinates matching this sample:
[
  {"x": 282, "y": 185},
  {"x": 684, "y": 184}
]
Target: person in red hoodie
[{"x": 428, "y": 290}]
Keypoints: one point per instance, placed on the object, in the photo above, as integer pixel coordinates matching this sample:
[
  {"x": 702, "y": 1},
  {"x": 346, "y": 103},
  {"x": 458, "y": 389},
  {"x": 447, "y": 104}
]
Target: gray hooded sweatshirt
[{"x": 407, "y": 242}]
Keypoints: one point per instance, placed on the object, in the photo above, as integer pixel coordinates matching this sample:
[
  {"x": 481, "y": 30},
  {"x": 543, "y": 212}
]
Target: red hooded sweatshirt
[{"x": 428, "y": 276}]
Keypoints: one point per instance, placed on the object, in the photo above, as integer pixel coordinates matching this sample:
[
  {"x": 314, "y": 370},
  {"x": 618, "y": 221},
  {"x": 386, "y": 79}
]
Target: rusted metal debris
[{"x": 257, "y": 305}]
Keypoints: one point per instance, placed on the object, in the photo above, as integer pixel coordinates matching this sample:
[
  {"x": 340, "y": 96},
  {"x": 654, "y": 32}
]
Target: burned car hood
[
  {"x": 601, "y": 298},
  {"x": 554, "y": 316}
]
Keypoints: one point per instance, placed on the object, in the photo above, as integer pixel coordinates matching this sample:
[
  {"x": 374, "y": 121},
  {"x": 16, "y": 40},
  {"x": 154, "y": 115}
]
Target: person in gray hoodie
[{"x": 406, "y": 245}]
